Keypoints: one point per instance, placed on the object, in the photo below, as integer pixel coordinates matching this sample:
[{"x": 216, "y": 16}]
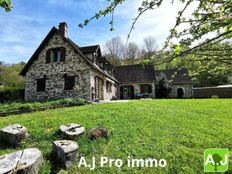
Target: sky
[{"x": 24, "y": 28}]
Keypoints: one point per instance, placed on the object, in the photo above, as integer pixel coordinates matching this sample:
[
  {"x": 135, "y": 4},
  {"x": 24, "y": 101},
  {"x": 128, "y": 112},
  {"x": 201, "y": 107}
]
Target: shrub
[
  {"x": 11, "y": 94},
  {"x": 25, "y": 106}
]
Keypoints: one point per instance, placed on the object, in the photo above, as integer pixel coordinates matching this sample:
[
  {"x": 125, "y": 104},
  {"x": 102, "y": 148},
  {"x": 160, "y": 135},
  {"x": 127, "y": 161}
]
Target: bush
[
  {"x": 11, "y": 94},
  {"x": 25, "y": 106}
]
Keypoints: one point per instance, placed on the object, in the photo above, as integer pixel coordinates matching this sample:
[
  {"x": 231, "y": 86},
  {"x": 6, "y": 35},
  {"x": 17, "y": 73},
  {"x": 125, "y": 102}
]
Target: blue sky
[{"x": 23, "y": 29}]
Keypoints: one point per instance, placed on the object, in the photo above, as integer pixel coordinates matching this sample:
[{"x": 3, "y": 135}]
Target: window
[
  {"x": 41, "y": 84},
  {"x": 145, "y": 88},
  {"x": 56, "y": 55},
  {"x": 108, "y": 86},
  {"x": 69, "y": 82}
]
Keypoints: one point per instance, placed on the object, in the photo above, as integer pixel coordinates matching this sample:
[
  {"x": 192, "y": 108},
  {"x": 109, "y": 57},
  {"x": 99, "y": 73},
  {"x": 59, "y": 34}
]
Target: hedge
[{"x": 11, "y": 94}]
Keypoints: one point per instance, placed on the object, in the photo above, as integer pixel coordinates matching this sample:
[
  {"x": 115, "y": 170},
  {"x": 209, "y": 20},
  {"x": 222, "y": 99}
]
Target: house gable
[{"x": 69, "y": 42}]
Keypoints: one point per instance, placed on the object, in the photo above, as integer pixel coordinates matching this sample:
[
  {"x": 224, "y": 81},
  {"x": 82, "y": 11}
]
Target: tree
[
  {"x": 10, "y": 75},
  {"x": 114, "y": 50},
  {"x": 209, "y": 65},
  {"x": 6, "y": 4},
  {"x": 131, "y": 53},
  {"x": 210, "y": 23},
  {"x": 163, "y": 88},
  {"x": 149, "y": 48}
]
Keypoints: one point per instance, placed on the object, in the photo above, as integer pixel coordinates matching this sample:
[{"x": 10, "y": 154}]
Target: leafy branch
[{"x": 6, "y": 4}]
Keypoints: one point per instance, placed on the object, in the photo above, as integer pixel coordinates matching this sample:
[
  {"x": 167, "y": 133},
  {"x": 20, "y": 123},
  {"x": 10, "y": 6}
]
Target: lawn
[{"x": 176, "y": 130}]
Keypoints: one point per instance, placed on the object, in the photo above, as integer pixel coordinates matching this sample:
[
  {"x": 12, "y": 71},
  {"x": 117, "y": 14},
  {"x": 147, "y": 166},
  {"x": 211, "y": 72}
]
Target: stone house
[
  {"x": 135, "y": 81},
  {"x": 179, "y": 81},
  {"x": 59, "y": 68}
]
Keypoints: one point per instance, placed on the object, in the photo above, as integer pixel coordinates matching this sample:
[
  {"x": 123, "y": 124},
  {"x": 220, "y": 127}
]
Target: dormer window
[{"x": 55, "y": 55}]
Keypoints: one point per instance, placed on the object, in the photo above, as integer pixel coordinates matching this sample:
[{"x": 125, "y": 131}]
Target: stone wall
[
  {"x": 187, "y": 88},
  {"x": 208, "y": 92},
  {"x": 106, "y": 95},
  {"x": 74, "y": 65}
]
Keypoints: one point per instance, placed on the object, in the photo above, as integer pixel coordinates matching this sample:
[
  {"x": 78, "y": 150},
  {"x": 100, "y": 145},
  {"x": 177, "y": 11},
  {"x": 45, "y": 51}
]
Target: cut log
[
  {"x": 65, "y": 152},
  {"x": 72, "y": 130},
  {"x": 13, "y": 134},
  {"x": 26, "y": 161}
]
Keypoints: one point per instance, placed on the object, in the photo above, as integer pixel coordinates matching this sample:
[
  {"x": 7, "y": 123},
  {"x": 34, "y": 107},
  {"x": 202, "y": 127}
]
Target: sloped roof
[
  {"x": 178, "y": 76},
  {"x": 89, "y": 49},
  {"x": 134, "y": 73},
  {"x": 75, "y": 46}
]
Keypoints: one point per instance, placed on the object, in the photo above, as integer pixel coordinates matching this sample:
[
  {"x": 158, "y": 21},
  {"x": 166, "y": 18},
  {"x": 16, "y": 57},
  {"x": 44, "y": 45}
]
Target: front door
[
  {"x": 180, "y": 93},
  {"x": 99, "y": 93}
]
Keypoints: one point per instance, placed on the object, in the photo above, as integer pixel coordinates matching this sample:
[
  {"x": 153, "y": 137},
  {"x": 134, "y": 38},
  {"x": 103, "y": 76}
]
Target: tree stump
[
  {"x": 99, "y": 132},
  {"x": 13, "y": 134},
  {"x": 72, "y": 130},
  {"x": 65, "y": 152},
  {"x": 26, "y": 161}
]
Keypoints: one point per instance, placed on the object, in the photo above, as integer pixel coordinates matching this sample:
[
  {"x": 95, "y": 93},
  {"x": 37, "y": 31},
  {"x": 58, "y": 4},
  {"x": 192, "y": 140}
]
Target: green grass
[
  {"x": 176, "y": 130},
  {"x": 33, "y": 105}
]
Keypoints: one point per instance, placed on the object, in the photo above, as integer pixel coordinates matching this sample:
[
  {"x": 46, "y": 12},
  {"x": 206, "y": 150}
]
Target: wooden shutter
[
  {"x": 48, "y": 56},
  {"x": 62, "y": 54}
]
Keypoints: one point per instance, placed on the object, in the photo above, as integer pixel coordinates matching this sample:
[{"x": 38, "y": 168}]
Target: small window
[
  {"x": 145, "y": 88},
  {"x": 69, "y": 82},
  {"x": 55, "y": 55},
  {"x": 41, "y": 84},
  {"x": 108, "y": 86}
]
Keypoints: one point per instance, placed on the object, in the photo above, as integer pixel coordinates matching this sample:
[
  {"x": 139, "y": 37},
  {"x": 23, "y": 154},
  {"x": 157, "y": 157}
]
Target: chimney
[{"x": 63, "y": 27}]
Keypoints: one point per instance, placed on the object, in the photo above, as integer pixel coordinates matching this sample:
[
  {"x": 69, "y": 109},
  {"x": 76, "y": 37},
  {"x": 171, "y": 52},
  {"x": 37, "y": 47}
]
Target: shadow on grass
[
  {"x": 7, "y": 146},
  {"x": 56, "y": 167}
]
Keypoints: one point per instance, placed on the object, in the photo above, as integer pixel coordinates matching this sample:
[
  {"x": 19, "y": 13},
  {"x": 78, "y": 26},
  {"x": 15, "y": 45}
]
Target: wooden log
[
  {"x": 12, "y": 135},
  {"x": 65, "y": 152},
  {"x": 26, "y": 161},
  {"x": 72, "y": 130}
]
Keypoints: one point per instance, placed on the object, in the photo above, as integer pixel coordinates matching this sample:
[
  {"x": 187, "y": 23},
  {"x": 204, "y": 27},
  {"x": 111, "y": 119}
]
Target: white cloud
[{"x": 156, "y": 23}]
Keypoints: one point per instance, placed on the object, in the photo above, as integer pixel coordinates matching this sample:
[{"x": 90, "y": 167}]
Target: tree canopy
[
  {"x": 9, "y": 75},
  {"x": 209, "y": 24}
]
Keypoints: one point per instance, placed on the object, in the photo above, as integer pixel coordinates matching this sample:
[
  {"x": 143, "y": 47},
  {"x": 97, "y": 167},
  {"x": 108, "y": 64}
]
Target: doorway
[
  {"x": 99, "y": 83},
  {"x": 127, "y": 92},
  {"x": 180, "y": 93}
]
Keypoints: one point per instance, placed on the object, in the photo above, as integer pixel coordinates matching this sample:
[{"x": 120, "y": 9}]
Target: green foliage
[
  {"x": 11, "y": 94},
  {"x": 210, "y": 23},
  {"x": 6, "y": 4},
  {"x": 10, "y": 75},
  {"x": 208, "y": 66},
  {"x": 176, "y": 130},
  {"x": 163, "y": 88}
]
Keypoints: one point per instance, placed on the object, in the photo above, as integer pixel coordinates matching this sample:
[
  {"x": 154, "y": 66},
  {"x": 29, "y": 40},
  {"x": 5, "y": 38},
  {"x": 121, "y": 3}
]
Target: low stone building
[
  {"x": 179, "y": 81},
  {"x": 59, "y": 68},
  {"x": 135, "y": 81}
]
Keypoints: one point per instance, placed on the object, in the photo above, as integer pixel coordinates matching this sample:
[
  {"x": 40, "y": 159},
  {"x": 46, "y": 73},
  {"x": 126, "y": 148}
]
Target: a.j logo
[{"x": 216, "y": 160}]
